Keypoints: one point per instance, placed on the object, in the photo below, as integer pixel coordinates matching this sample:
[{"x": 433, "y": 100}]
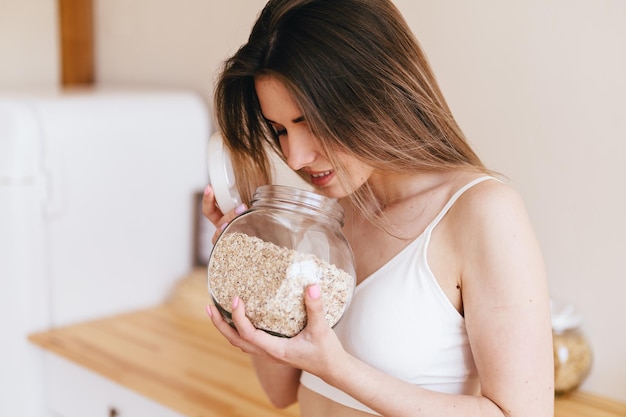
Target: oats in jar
[{"x": 271, "y": 280}]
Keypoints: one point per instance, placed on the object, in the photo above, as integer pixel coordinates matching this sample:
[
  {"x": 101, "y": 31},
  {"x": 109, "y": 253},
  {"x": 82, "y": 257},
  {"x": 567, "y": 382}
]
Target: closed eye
[{"x": 282, "y": 131}]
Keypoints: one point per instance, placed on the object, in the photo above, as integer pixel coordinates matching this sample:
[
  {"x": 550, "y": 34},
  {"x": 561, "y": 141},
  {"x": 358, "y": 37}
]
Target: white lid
[{"x": 221, "y": 174}]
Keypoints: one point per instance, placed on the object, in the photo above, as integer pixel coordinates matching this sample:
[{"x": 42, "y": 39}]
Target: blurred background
[{"x": 538, "y": 87}]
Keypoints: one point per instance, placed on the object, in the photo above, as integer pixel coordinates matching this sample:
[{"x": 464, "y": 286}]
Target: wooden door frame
[{"x": 76, "y": 42}]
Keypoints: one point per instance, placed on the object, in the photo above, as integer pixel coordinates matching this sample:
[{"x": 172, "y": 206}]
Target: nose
[{"x": 299, "y": 148}]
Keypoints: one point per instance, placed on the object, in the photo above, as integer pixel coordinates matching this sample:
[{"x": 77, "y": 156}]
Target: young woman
[{"x": 451, "y": 312}]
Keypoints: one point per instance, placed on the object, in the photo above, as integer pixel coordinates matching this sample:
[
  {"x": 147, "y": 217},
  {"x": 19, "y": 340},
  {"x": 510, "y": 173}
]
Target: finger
[
  {"x": 209, "y": 206},
  {"x": 221, "y": 324},
  {"x": 212, "y": 212},
  {"x": 257, "y": 341},
  {"x": 218, "y": 232},
  {"x": 314, "y": 307},
  {"x": 229, "y": 332},
  {"x": 244, "y": 326},
  {"x": 224, "y": 221}
]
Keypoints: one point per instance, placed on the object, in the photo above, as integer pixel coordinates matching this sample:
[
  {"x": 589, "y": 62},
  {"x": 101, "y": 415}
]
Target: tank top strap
[{"x": 453, "y": 199}]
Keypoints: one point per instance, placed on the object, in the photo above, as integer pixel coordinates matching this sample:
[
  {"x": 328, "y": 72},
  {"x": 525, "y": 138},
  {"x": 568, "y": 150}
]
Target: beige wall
[
  {"x": 165, "y": 42},
  {"x": 28, "y": 45},
  {"x": 538, "y": 87}
]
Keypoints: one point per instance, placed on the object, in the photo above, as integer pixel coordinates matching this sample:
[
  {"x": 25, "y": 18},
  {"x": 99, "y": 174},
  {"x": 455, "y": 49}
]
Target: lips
[
  {"x": 321, "y": 174},
  {"x": 321, "y": 178}
]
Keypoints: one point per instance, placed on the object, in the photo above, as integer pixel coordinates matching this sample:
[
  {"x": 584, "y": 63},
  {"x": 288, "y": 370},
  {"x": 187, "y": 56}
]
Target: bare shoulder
[
  {"x": 492, "y": 232},
  {"x": 490, "y": 194},
  {"x": 491, "y": 205}
]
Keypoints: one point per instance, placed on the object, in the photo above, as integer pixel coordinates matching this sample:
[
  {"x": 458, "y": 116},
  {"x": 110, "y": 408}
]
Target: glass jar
[
  {"x": 287, "y": 240},
  {"x": 572, "y": 352}
]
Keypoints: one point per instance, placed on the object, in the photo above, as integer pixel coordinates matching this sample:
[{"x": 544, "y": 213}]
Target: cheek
[
  {"x": 351, "y": 166},
  {"x": 284, "y": 145},
  {"x": 358, "y": 173}
]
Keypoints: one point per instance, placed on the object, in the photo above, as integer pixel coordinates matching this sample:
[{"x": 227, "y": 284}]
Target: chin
[{"x": 333, "y": 192}]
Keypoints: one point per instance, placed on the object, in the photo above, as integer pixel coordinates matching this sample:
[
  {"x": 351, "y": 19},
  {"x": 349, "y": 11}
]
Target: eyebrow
[{"x": 296, "y": 120}]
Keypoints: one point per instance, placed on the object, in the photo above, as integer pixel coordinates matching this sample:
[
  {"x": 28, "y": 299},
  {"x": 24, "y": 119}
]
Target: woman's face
[{"x": 301, "y": 149}]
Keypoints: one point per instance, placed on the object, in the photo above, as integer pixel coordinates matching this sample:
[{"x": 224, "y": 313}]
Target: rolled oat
[{"x": 270, "y": 280}]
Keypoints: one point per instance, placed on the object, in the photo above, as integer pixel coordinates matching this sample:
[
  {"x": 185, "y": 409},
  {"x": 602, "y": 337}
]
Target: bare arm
[
  {"x": 506, "y": 302},
  {"x": 280, "y": 382}
]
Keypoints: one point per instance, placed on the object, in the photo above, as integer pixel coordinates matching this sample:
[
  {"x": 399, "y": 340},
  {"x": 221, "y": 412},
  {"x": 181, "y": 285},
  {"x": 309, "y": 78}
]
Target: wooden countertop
[
  {"x": 582, "y": 404},
  {"x": 182, "y": 363},
  {"x": 173, "y": 355}
]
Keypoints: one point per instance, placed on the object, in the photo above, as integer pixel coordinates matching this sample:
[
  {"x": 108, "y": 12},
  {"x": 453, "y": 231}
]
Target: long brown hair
[{"x": 361, "y": 81}]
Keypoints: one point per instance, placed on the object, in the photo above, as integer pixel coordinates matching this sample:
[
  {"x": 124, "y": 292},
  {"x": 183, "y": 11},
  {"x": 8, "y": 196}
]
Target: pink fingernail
[
  {"x": 240, "y": 209},
  {"x": 314, "y": 291},
  {"x": 222, "y": 227},
  {"x": 207, "y": 190},
  {"x": 235, "y": 302},
  {"x": 208, "y": 311}
]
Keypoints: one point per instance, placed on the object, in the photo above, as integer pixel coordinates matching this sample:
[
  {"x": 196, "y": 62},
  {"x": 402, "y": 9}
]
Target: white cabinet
[
  {"x": 96, "y": 213},
  {"x": 74, "y": 391}
]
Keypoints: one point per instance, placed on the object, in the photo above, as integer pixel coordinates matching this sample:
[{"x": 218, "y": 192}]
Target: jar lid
[
  {"x": 564, "y": 317},
  {"x": 221, "y": 174}
]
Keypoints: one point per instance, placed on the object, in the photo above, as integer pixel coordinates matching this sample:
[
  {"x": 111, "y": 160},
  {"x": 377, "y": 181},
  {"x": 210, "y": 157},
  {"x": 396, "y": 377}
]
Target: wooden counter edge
[{"x": 590, "y": 400}]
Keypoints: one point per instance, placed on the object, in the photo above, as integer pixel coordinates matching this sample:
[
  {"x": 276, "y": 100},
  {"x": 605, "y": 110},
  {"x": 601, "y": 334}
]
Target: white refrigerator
[{"x": 96, "y": 214}]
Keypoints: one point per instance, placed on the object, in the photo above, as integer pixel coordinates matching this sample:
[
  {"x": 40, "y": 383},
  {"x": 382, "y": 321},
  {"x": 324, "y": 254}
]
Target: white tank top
[{"x": 401, "y": 322}]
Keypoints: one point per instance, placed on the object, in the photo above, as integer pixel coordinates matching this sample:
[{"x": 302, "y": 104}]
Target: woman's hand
[
  {"x": 315, "y": 349},
  {"x": 211, "y": 211}
]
